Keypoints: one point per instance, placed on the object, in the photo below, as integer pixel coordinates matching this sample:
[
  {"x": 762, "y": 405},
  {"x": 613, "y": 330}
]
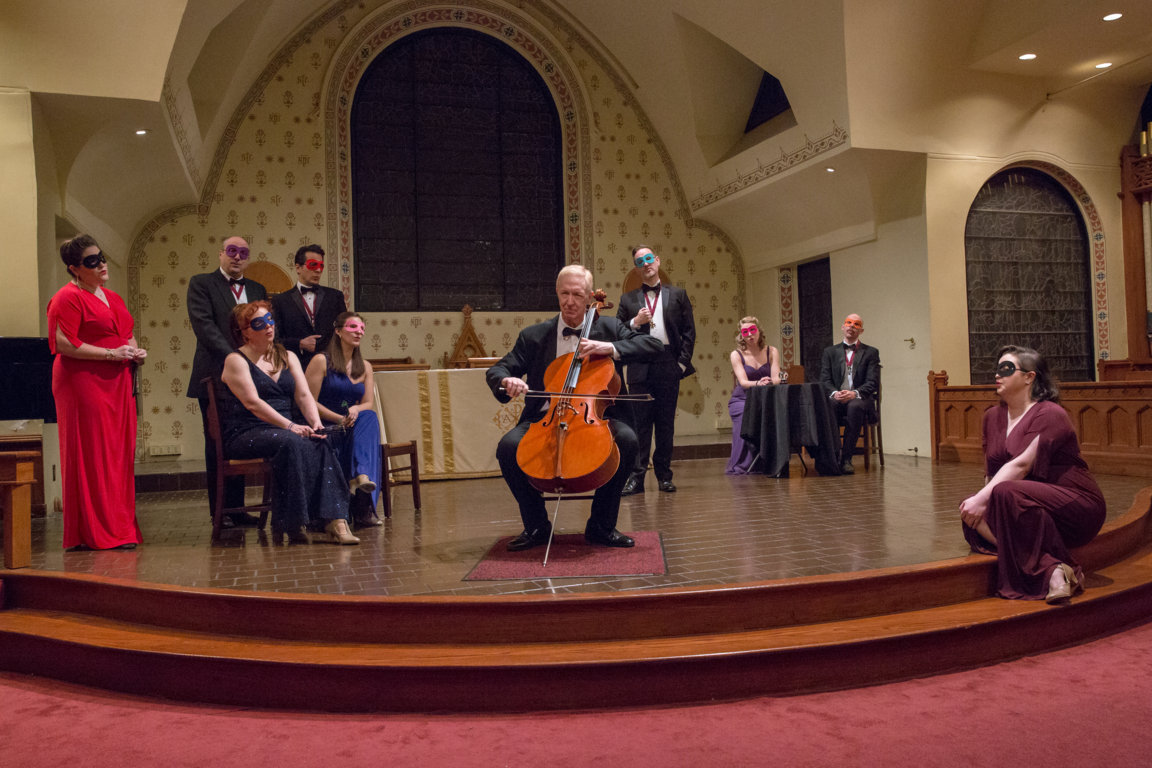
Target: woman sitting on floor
[
  {"x": 1040, "y": 500},
  {"x": 341, "y": 381},
  {"x": 754, "y": 364},
  {"x": 262, "y": 381}
]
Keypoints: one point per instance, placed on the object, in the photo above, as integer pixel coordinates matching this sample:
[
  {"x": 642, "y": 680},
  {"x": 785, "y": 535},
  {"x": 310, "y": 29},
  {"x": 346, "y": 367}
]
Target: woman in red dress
[
  {"x": 91, "y": 332},
  {"x": 1039, "y": 501}
]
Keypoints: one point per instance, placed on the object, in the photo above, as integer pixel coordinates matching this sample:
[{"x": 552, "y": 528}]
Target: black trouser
[
  {"x": 605, "y": 503},
  {"x": 657, "y": 415},
  {"x": 853, "y": 414},
  {"x": 233, "y": 486}
]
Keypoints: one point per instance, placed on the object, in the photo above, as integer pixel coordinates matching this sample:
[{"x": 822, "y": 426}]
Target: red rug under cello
[{"x": 572, "y": 558}]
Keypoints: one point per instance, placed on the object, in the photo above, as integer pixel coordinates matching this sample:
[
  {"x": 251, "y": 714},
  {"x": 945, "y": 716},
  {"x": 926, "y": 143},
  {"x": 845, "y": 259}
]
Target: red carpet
[
  {"x": 1088, "y": 706},
  {"x": 571, "y": 558}
]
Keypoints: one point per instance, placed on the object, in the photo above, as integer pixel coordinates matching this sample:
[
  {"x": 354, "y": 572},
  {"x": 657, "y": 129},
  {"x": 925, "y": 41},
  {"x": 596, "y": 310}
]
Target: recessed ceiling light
[
  {"x": 1027, "y": 56},
  {"x": 1113, "y": 16},
  {"x": 141, "y": 132},
  {"x": 830, "y": 169},
  {"x": 1104, "y": 65}
]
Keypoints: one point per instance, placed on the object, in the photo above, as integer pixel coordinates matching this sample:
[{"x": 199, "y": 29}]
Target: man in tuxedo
[
  {"x": 536, "y": 347},
  {"x": 306, "y": 315},
  {"x": 211, "y": 297},
  {"x": 664, "y": 313},
  {"x": 850, "y": 375}
]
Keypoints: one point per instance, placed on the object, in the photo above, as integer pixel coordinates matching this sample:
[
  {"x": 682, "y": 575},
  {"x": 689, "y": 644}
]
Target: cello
[{"x": 571, "y": 450}]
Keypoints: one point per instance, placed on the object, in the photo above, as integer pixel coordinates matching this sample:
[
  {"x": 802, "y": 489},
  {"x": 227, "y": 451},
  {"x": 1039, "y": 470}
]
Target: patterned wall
[{"x": 280, "y": 180}]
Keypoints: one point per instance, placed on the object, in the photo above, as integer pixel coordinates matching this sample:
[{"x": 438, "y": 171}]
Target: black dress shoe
[
  {"x": 666, "y": 486},
  {"x": 528, "y": 539},
  {"x": 846, "y": 468},
  {"x": 633, "y": 486},
  {"x": 611, "y": 539},
  {"x": 243, "y": 519}
]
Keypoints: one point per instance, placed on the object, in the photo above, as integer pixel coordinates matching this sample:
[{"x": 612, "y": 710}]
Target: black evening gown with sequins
[{"x": 308, "y": 486}]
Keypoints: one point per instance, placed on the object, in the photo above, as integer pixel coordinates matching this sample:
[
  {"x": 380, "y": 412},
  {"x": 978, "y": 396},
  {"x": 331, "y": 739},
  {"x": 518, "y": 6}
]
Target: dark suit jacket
[
  {"x": 535, "y": 348},
  {"x": 293, "y": 323},
  {"x": 865, "y": 376},
  {"x": 676, "y": 316},
  {"x": 210, "y": 302}
]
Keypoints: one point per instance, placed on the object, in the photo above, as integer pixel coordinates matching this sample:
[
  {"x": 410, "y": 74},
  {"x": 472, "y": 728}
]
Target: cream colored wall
[
  {"x": 20, "y": 310},
  {"x": 886, "y": 282},
  {"x": 272, "y": 187},
  {"x": 952, "y": 185}
]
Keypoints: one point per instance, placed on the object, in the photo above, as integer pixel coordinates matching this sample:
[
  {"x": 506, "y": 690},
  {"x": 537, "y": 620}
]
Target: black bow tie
[
  {"x": 571, "y": 332},
  {"x": 650, "y": 288},
  {"x": 852, "y": 347},
  {"x": 307, "y": 289},
  {"x": 236, "y": 281}
]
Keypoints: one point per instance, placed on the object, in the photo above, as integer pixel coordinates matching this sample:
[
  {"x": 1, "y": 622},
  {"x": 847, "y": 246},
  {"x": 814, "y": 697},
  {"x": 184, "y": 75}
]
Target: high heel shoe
[
  {"x": 362, "y": 484},
  {"x": 338, "y": 533},
  {"x": 1061, "y": 594}
]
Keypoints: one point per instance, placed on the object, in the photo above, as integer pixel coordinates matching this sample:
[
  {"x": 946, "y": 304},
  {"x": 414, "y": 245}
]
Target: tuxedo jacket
[
  {"x": 293, "y": 323},
  {"x": 535, "y": 349},
  {"x": 676, "y": 317},
  {"x": 210, "y": 303},
  {"x": 865, "y": 374}
]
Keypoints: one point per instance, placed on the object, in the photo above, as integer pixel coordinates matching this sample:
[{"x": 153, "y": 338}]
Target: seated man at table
[
  {"x": 850, "y": 375},
  {"x": 536, "y": 347}
]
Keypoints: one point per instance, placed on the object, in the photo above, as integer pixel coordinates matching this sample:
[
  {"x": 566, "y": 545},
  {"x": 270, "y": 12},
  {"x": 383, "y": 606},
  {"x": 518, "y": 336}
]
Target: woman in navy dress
[
  {"x": 262, "y": 381},
  {"x": 1039, "y": 500},
  {"x": 754, "y": 364},
  {"x": 341, "y": 381}
]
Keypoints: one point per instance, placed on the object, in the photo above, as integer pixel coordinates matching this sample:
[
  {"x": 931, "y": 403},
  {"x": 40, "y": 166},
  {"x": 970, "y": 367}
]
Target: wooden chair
[
  {"x": 226, "y": 468},
  {"x": 872, "y": 437},
  {"x": 388, "y": 472}
]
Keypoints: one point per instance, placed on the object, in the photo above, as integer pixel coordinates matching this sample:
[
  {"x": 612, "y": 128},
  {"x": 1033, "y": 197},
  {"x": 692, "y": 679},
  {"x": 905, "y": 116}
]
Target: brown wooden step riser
[{"x": 314, "y": 684}]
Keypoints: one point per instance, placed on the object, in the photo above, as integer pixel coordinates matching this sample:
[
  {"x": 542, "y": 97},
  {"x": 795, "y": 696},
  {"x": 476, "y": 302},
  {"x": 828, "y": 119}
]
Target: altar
[{"x": 452, "y": 416}]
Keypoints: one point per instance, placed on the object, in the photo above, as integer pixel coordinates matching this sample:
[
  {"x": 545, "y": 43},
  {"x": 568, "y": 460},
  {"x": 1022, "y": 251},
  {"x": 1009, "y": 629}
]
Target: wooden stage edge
[{"x": 536, "y": 652}]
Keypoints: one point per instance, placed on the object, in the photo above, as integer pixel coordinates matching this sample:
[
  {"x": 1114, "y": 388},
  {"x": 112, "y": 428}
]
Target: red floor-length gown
[
  {"x": 97, "y": 420},
  {"x": 1038, "y": 519}
]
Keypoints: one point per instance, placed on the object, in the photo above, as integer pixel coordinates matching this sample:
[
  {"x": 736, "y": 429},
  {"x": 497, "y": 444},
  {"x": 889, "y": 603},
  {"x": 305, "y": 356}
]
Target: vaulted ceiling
[{"x": 898, "y": 79}]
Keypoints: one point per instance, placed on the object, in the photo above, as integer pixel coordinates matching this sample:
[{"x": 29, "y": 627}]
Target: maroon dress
[{"x": 1037, "y": 520}]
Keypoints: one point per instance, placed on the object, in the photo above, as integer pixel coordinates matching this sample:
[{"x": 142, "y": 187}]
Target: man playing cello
[{"x": 536, "y": 347}]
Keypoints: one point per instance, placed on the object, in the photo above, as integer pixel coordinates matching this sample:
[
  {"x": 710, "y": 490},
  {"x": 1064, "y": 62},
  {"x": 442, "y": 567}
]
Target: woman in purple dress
[
  {"x": 754, "y": 364},
  {"x": 1039, "y": 500},
  {"x": 341, "y": 381}
]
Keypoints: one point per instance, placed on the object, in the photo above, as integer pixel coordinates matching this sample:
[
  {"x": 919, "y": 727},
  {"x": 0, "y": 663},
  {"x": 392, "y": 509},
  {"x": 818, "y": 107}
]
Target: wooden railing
[{"x": 1113, "y": 420}]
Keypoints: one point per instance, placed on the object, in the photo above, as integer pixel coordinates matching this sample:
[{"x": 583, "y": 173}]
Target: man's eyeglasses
[
  {"x": 315, "y": 265},
  {"x": 1007, "y": 368},
  {"x": 261, "y": 323},
  {"x": 237, "y": 252},
  {"x": 94, "y": 260},
  {"x": 644, "y": 259},
  {"x": 749, "y": 333}
]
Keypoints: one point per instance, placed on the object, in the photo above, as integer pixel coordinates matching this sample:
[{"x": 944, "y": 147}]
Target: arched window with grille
[
  {"x": 1029, "y": 275},
  {"x": 456, "y": 178}
]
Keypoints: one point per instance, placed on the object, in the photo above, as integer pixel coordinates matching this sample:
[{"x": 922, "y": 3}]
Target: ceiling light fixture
[
  {"x": 1113, "y": 16},
  {"x": 1027, "y": 56},
  {"x": 830, "y": 169},
  {"x": 1104, "y": 65},
  {"x": 141, "y": 132}
]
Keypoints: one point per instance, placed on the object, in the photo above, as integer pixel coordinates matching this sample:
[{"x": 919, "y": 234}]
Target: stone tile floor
[{"x": 716, "y": 530}]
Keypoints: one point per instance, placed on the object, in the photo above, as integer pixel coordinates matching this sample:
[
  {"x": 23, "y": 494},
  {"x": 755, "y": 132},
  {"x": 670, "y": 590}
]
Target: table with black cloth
[{"x": 780, "y": 419}]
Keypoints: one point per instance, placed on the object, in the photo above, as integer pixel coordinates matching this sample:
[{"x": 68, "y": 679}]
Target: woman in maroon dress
[
  {"x": 1039, "y": 500},
  {"x": 91, "y": 332}
]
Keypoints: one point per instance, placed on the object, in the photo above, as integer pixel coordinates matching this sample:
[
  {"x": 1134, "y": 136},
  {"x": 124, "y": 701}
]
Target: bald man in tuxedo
[{"x": 850, "y": 376}]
